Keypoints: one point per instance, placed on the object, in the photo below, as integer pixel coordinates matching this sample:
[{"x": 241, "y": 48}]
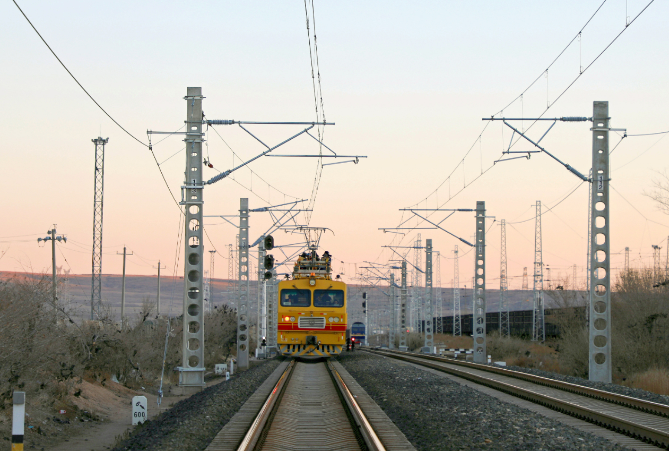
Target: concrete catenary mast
[
  {"x": 457, "y": 323},
  {"x": 191, "y": 372}
]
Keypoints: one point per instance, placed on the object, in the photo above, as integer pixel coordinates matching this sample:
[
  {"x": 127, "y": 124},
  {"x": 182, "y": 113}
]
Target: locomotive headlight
[
  {"x": 312, "y": 282},
  {"x": 330, "y": 319},
  {"x": 292, "y": 319},
  {"x": 336, "y": 319},
  {"x": 286, "y": 318}
]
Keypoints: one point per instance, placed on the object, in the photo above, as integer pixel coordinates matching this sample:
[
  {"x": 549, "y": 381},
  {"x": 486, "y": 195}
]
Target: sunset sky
[{"x": 407, "y": 84}]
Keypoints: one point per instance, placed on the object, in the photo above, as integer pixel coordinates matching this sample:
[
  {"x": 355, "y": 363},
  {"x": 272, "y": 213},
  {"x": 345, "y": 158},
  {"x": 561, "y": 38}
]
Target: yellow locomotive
[{"x": 312, "y": 309}]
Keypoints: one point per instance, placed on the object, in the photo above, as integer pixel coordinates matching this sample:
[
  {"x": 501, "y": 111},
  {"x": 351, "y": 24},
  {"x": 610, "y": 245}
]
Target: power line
[{"x": 99, "y": 106}]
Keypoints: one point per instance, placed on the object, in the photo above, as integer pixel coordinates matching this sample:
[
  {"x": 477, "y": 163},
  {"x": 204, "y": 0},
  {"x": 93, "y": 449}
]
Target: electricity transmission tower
[
  {"x": 627, "y": 258},
  {"x": 538, "y": 325},
  {"x": 503, "y": 287},
  {"x": 656, "y": 262},
  {"x": 98, "y": 196},
  {"x": 457, "y": 322},
  {"x": 525, "y": 285}
]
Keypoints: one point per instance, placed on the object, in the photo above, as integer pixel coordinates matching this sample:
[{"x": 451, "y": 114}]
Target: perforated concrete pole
[
  {"x": 243, "y": 286},
  {"x": 191, "y": 374},
  {"x": 429, "y": 338},
  {"x": 393, "y": 313},
  {"x": 479, "y": 287},
  {"x": 600, "y": 246},
  {"x": 403, "y": 309}
]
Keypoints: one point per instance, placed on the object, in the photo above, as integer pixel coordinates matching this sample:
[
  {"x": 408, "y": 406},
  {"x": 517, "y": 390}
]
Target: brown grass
[{"x": 654, "y": 380}]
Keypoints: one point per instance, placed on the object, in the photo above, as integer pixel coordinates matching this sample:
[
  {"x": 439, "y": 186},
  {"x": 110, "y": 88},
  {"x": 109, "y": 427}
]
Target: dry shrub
[
  {"x": 640, "y": 323},
  {"x": 654, "y": 380},
  {"x": 522, "y": 352},
  {"x": 454, "y": 341}
]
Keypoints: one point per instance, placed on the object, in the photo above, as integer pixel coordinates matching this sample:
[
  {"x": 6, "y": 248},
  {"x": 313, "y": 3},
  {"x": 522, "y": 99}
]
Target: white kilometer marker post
[
  {"x": 139, "y": 411},
  {"x": 18, "y": 419}
]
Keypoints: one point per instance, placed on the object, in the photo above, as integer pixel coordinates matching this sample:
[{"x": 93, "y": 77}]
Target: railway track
[
  {"x": 639, "y": 419},
  {"x": 310, "y": 406}
]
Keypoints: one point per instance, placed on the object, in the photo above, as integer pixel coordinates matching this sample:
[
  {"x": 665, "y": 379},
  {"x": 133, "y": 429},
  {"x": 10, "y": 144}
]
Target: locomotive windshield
[
  {"x": 328, "y": 298},
  {"x": 300, "y": 298}
]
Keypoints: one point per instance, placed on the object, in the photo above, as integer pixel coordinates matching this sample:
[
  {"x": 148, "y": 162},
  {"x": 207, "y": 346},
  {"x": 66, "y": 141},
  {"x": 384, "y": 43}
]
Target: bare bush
[{"x": 640, "y": 323}]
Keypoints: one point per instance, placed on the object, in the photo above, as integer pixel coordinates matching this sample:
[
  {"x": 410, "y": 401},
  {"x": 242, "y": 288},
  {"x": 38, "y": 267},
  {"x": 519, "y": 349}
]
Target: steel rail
[
  {"x": 371, "y": 438},
  {"x": 255, "y": 436},
  {"x": 633, "y": 429},
  {"x": 258, "y": 425}
]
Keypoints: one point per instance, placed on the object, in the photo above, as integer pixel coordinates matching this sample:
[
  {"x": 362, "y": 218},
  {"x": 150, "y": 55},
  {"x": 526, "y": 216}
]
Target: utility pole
[
  {"x": 243, "y": 286},
  {"x": 98, "y": 196},
  {"x": 538, "y": 326},
  {"x": 403, "y": 308},
  {"x": 479, "y": 295},
  {"x": 503, "y": 287},
  {"x": 158, "y": 295},
  {"x": 123, "y": 290},
  {"x": 429, "y": 338},
  {"x": 600, "y": 292},
  {"x": 54, "y": 283},
  {"x": 191, "y": 372},
  {"x": 573, "y": 281},
  {"x": 457, "y": 321},
  {"x": 627, "y": 258}
]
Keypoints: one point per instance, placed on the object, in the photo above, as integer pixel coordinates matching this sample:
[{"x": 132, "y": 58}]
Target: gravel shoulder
[
  {"x": 192, "y": 424},
  {"x": 610, "y": 387},
  {"x": 436, "y": 413}
]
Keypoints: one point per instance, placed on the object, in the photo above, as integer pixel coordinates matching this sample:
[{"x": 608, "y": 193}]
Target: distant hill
[{"x": 76, "y": 289}]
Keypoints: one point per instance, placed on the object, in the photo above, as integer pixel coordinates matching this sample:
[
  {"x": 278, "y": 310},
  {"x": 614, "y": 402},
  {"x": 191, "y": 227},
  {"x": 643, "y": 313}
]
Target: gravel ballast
[
  {"x": 436, "y": 413},
  {"x": 609, "y": 387},
  {"x": 194, "y": 422}
]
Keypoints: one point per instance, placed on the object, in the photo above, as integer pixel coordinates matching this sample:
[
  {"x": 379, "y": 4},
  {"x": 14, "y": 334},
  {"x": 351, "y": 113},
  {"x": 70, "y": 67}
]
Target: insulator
[{"x": 573, "y": 119}]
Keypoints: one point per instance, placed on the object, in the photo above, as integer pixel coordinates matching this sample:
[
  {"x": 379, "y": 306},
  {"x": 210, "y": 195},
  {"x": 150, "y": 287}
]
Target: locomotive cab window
[
  {"x": 300, "y": 298},
  {"x": 328, "y": 298}
]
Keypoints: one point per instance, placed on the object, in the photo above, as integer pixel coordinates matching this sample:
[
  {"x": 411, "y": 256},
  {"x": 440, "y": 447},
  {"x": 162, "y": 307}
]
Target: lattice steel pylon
[
  {"x": 98, "y": 196},
  {"x": 538, "y": 326},
  {"x": 457, "y": 322},
  {"x": 627, "y": 258},
  {"x": 504, "y": 329},
  {"x": 439, "y": 299},
  {"x": 656, "y": 262},
  {"x": 524, "y": 286}
]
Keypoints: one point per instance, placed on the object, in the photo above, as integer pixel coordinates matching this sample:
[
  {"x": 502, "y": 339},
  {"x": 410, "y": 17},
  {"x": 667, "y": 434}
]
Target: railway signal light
[
  {"x": 268, "y": 275},
  {"x": 269, "y": 262},
  {"x": 263, "y": 342},
  {"x": 268, "y": 242}
]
